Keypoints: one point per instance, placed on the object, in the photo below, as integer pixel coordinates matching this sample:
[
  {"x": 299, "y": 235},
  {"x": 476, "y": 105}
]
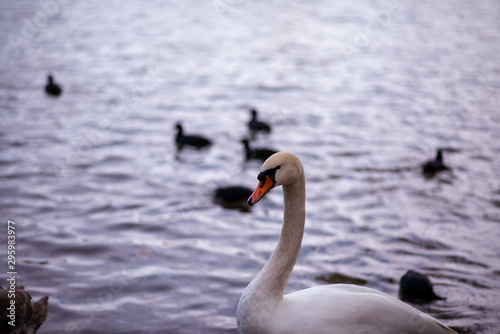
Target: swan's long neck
[{"x": 271, "y": 282}]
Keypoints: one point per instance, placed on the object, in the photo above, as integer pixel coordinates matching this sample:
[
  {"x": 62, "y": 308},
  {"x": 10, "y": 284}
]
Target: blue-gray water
[{"x": 123, "y": 236}]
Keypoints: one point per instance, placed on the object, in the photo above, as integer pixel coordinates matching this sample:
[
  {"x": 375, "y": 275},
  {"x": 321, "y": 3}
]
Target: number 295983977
[{"x": 11, "y": 246}]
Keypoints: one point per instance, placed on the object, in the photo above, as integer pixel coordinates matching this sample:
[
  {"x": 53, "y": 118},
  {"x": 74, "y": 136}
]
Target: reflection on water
[{"x": 125, "y": 238}]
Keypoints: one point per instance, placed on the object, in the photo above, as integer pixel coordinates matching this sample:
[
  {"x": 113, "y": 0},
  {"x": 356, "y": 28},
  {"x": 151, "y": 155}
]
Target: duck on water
[{"x": 196, "y": 141}]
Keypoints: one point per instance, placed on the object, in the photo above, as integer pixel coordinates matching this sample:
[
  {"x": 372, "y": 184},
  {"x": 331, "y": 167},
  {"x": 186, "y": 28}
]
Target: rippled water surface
[{"x": 120, "y": 231}]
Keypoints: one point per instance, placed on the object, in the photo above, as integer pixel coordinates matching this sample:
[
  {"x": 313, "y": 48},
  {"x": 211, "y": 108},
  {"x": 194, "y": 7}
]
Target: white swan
[{"x": 332, "y": 309}]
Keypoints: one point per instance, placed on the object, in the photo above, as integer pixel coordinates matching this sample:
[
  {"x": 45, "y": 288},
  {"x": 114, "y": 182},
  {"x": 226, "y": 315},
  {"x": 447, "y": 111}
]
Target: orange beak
[{"x": 261, "y": 190}]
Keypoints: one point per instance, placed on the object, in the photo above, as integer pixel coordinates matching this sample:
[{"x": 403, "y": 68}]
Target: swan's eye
[{"x": 271, "y": 173}]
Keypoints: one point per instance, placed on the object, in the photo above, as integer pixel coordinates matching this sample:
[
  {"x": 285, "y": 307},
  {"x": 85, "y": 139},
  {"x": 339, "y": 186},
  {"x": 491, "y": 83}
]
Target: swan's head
[{"x": 279, "y": 169}]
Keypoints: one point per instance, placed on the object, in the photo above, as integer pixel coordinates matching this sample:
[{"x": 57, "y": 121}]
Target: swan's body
[{"x": 332, "y": 309}]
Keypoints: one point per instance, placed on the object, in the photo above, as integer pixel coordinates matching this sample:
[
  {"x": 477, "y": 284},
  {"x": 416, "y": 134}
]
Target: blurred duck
[
  {"x": 416, "y": 288},
  {"x": 232, "y": 197},
  {"x": 434, "y": 166},
  {"x": 257, "y": 153},
  {"x": 29, "y": 316},
  {"x": 190, "y": 140},
  {"x": 255, "y": 126},
  {"x": 52, "y": 88}
]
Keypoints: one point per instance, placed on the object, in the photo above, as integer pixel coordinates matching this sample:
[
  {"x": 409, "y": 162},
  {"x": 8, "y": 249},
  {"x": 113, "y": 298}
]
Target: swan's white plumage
[{"x": 329, "y": 309}]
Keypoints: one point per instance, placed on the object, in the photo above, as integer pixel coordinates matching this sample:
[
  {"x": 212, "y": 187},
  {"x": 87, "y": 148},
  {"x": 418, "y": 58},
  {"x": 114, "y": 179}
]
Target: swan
[
  {"x": 190, "y": 140},
  {"x": 52, "y": 88},
  {"x": 332, "y": 309},
  {"x": 434, "y": 166},
  {"x": 254, "y": 125},
  {"x": 417, "y": 288}
]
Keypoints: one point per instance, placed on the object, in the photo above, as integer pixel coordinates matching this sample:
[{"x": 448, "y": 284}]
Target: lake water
[{"x": 120, "y": 231}]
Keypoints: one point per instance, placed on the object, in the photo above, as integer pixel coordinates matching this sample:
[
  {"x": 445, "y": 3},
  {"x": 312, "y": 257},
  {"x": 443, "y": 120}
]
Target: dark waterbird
[
  {"x": 232, "y": 197},
  {"x": 255, "y": 125},
  {"x": 29, "y": 316},
  {"x": 196, "y": 141},
  {"x": 257, "y": 153},
  {"x": 52, "y": 88},
  {"x": 434, "y": 166},
  {"x": 416, "y": 288}
]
